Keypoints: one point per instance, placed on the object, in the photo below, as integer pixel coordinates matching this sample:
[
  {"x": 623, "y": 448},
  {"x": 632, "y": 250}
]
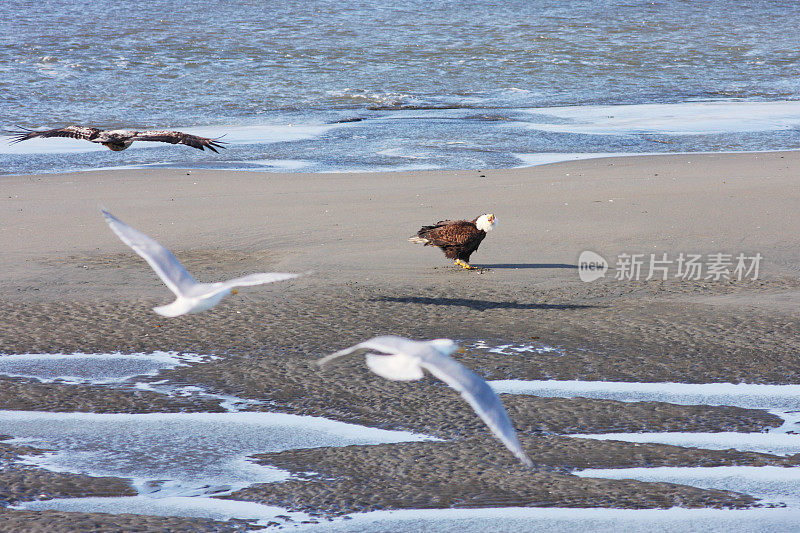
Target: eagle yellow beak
[
  {"x": 461, "y": 350},
  {"x": 234, "y": 291}
]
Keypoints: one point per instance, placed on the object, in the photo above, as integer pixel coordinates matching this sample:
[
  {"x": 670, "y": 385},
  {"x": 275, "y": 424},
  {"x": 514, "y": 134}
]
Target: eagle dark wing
[
  {"x": 75, "y": 132},
  {"x": 449, "y": 233},
  {"x": 177, "y": 137}
]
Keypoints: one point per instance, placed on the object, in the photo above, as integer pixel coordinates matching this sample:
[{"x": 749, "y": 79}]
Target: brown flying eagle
[
  {"x": 118, "y": 140},
  {"x": 457, "y": 238}
]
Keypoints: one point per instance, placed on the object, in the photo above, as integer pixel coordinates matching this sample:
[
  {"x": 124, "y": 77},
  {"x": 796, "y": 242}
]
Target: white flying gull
[
  {"x": 118, "y": 140},
  {"x": 401, "y": 359},
  {"x": 192, "y": 297}
]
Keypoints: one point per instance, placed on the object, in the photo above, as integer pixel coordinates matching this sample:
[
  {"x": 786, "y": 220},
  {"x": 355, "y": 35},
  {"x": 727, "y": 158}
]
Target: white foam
[
  {"x": 688, "y": 118},
  {"x": 547, "y": 158},
  {"x": 101, "y": 368},
  {"x": 389, "y": 168},
  {"x": 267, "y": 165},
  {"x": 404, "y": 153},
  {"x": 262, "y": 133},
  {"x": 285, "y": 164}
]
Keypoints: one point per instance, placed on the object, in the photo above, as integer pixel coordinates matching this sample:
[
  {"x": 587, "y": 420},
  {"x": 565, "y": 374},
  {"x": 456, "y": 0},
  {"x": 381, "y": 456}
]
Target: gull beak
[{"x": 234, "y": 291}]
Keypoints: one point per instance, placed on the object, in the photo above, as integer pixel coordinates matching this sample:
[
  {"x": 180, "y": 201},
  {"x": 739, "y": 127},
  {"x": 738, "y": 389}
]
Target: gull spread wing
[
  {"x": 178, "y": 137},
  {"x": 252, "y": 279},
  {"x": 169, "y": 269},
  {"x": 479, "y": 395},
  {"x": 385, "y": 344},
  {"x": 347, "y": 351}
]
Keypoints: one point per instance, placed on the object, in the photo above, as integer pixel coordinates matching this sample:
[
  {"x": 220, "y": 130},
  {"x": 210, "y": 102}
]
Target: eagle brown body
[
  {"x": 458, "y": 239},
  {"x": 118, "y": 140}
]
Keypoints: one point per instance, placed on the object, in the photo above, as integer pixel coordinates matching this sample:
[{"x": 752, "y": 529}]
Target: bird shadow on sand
[
  {"x": 479, "y": 305},
  {"x": 526, "y": 265}
]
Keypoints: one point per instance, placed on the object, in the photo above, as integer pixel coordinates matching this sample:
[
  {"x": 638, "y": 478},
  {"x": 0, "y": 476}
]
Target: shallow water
[{"x": 328, "y": 86}]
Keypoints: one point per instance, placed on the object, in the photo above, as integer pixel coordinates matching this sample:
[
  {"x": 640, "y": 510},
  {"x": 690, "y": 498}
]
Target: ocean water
[{"x": 407, "y": 84}]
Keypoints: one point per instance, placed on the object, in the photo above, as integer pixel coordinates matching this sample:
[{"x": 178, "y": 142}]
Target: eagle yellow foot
[{"x": 465, "y": 265}]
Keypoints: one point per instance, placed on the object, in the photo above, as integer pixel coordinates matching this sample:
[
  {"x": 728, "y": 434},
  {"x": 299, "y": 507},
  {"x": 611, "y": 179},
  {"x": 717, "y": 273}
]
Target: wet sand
[{"x": 72, "y": 286}]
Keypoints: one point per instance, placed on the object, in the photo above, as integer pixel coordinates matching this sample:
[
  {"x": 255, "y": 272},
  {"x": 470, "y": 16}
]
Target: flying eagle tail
[{"x": 418, "y": 240}]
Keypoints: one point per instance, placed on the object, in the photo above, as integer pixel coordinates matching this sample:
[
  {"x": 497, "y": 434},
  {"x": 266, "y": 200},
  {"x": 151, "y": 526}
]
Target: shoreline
[{"x": 280, "y": 167}]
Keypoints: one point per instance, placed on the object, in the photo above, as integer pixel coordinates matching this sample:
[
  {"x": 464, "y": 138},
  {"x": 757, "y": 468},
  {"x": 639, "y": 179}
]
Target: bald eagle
[
  {"x": 119, "y": 140},
  {"x": 457, "y": 238}
]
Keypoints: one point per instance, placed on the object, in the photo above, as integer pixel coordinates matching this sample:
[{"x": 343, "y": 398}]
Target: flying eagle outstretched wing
[
  {"x": 449, "y": 232},
  {"x": 177, "y": 137},
  {"x": 75, "y": 132}
]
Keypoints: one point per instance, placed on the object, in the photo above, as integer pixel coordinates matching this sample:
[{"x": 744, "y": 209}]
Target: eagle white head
[{"x": 486, "y": 222}]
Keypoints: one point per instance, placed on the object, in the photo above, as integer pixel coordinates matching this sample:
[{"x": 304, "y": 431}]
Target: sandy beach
[{"x": 71, "y": 285}]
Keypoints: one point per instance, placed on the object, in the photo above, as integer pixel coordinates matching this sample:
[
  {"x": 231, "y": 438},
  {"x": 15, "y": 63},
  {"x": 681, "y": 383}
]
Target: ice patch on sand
[
  {"x": 229, "y": 402},
  {"x": 771, "y": 484},
  {"x": 198, "y": 507},
  {"x": 562, "y": 520},
  {"x": 772, "y": 443},
  {"x": 181, "y": 454},
  {"x": 780, "y": 400},
  {"x": 749, "y": 396},
  {"x": 96, "y": 369},
  {"x": 515, "y": 349}
]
